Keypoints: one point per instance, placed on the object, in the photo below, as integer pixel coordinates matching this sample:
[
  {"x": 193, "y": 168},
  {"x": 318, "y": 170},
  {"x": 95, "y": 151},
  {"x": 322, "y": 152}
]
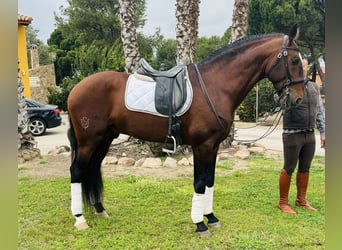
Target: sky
[{"x": 215, "y": 16}]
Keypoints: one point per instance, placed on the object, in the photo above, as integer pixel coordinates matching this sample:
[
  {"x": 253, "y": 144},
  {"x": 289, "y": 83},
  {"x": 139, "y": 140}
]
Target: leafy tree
[
  {"x": 60, "y": 95},
  {"x": 87, "y": 45},
  {"x": 247, "y": 109},
  {"x": 207, "y": 45},
  {"x": 32, "y": 38},
  {"x": 267, "y": 16},
  {"x": 166, "y": 55}
]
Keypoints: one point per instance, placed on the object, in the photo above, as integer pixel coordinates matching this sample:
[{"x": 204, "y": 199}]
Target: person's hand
[{"x": 322, "y": 141}]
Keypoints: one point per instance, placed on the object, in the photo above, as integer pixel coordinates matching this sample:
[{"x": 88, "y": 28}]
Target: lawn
[{"x": 150, "y": 213}]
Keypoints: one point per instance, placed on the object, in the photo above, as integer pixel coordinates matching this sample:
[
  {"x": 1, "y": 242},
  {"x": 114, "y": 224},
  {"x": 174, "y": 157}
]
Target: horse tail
[
  {"x": 92, "y": 184},
  {"x": 90, "y": 176},
  {"x": 72, "y": 140}
]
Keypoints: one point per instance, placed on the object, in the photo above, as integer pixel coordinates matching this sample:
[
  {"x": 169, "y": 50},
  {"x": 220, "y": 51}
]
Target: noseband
[{"x": 284, "y": 90}]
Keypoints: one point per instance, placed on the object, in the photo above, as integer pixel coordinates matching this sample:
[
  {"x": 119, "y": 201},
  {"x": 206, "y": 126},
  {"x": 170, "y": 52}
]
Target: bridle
[{"x": 284, "y": 90}]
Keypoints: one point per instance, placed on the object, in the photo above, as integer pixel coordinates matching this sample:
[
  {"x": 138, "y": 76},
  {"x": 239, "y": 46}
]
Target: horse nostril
[{"x": 298, "y": 101}]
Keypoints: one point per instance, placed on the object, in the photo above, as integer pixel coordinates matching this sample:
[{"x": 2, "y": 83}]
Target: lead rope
[
  {"x": 267, "y": 132},
  {"x": 205, "y": 92}
]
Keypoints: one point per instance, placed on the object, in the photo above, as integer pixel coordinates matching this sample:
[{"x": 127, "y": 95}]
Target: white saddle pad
[{"x": 139, "y": 96}]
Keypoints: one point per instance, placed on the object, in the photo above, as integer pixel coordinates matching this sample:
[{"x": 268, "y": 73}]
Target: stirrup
[{"x": 171, "y": 151}]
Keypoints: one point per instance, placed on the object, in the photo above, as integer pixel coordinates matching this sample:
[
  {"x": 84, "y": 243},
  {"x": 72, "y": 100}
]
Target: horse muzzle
[{"x": 287, "y": 101}]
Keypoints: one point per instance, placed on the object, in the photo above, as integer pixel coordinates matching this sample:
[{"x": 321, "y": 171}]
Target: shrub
[
  {"x": 60, "y": 95},
  {"x": 246, "y": 110}
]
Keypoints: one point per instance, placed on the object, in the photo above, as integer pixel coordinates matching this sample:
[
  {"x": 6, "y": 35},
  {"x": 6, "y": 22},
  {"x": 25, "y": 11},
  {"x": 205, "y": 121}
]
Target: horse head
[{"x": 287, "y": 74}]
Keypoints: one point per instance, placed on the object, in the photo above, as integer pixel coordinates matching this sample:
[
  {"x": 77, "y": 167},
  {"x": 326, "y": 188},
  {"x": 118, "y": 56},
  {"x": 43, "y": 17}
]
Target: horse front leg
[{"x": 203, "y": 198}]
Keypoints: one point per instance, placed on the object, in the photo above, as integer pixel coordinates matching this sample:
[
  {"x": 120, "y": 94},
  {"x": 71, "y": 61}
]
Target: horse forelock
[{"x": 237, "y": 47}]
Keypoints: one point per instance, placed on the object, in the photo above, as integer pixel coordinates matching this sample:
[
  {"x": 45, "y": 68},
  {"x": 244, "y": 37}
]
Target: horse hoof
[
  {"x": 102, "y": 214},
  {"x": 81, "y": 223},
  {"x": 81, "y": 226},
  {"x": 215, "y": 225},
  {"x": 204, "y": 234}
]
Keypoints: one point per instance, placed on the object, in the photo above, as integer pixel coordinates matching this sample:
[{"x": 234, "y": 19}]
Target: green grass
[{"x": 148, "y": 213}]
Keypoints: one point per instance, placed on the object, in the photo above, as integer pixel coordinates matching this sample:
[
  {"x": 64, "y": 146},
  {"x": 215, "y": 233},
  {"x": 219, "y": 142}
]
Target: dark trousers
[{"x": 298, "y": 148}]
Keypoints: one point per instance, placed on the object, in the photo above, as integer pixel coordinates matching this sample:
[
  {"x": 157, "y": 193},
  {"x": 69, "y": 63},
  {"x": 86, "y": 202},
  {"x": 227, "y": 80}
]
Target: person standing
[{"x": 299, "y": 144}]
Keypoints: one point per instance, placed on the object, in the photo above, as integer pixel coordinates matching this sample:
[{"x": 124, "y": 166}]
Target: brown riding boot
[
  {"x": 302, "y": 181},
  {"x": 284, "y": 187}
]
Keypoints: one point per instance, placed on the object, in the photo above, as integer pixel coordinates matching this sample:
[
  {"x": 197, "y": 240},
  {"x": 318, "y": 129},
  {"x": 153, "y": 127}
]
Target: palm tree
[
  {"x": 187, "y": 12},
  {"x": 129, "y": 35},
  {"x": 27, "y": 149},
  {"x": 239, "y": 30},
  {"x": 239, "y": 20}
]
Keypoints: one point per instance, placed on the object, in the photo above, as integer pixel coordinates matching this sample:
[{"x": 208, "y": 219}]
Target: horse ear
[{"x": 294, "y": 34}]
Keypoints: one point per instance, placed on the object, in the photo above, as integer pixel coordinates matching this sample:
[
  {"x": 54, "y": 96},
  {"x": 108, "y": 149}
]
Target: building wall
[
  {"x": 42, "y": 78},
  {"x": 22, "y": 58}
]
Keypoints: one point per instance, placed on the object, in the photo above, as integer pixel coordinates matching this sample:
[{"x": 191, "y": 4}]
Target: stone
[
  {"x": 242, "y": 153},
  {"x": 191, "y": 160},
  {"x": 59, "y": 150},
  {"x": 139, "y": 162},
  {"x": 170, "y": 162},
  {"x": 256, "y": 150},
  {"x": 184, "y": 162},
  {"x": 223, "y": 156},
  {"x": 126, "y": 161},
  {"x": 152, "y": 163},
  {"x": 110, "y": 160}
]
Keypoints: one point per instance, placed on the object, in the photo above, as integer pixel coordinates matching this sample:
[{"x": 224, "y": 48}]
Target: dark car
[{"x": 42, "y": 116}]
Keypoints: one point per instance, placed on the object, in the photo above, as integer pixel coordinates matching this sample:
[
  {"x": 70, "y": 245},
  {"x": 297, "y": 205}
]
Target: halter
[{"x": 284, "y": 90}]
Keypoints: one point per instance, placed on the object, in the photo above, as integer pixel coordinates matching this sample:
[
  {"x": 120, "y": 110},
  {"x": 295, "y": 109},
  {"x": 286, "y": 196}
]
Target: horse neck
[{"x": 232, "y": 76}]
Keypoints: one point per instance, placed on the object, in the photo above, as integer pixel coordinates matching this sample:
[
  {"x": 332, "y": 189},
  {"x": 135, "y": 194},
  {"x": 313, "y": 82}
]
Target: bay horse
[{"x": 220, "y": 82}]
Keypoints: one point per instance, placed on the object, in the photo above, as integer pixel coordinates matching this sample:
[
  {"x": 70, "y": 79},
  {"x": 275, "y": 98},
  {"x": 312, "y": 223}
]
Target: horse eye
[{"x": 295, "y": 61}]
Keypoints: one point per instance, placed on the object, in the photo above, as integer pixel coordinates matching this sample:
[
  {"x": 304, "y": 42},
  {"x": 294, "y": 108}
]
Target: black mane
[{"x": 232, "y": 46}]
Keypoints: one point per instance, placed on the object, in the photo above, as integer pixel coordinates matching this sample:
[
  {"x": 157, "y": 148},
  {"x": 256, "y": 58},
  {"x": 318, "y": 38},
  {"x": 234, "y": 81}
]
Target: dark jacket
[{"x": 304, "y": 116}]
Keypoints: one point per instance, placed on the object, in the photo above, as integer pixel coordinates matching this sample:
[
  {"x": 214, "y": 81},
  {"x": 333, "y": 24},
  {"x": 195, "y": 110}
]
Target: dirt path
[{"x": 52, "y": 166}]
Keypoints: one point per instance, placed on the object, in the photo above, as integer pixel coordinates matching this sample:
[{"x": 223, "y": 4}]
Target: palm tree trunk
[
  {"x": 27, "y": 149},
  {"x": 187, "y": 12},
  {"x": 129, "y": 35},
  {"x": 239, "y": 30},
  {"x": 239, "y": 20}
]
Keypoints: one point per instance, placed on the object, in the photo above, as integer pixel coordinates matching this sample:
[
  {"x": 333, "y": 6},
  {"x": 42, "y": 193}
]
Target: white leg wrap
[
  {"x": 197, "y": 208},
  {"x": 76, "y": 198},
  {"x": 208, "y": 200}
]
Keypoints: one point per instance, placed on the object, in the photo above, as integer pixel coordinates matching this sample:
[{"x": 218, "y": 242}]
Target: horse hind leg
[
  {"x": 81, "y": 180},
  {"x": 86, "y": 182},
  {"x": 97, "y": 159},
  {"x": 76, "y": 194}
]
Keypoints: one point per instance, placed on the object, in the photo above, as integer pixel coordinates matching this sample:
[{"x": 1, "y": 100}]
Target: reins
[
  {"x": 205, "y": 92},
  {"x": 269, "y": 131},
  {"x": 282, "y": 55}
]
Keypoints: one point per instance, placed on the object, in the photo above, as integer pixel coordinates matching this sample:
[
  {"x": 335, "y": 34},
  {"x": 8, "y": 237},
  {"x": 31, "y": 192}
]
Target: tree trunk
[
  {"x": 27, "y": 146},
  {"x": 129, "y": 35},
  {"x": 187, "y": 12},
  {"x": 239, "y": 20},
  {"x": 239, "y": 30}
]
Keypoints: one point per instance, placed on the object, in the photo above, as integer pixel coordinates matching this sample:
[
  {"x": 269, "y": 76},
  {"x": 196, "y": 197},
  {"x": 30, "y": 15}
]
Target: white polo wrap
[
  {"x": 197, "y": 208},
  {"x": 76, "y": 198},
  {"x": 208, "y": 200}
]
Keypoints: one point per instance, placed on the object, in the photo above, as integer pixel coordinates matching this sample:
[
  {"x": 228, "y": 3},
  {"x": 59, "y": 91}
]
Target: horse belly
[{"x": 142, "y": 126}]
